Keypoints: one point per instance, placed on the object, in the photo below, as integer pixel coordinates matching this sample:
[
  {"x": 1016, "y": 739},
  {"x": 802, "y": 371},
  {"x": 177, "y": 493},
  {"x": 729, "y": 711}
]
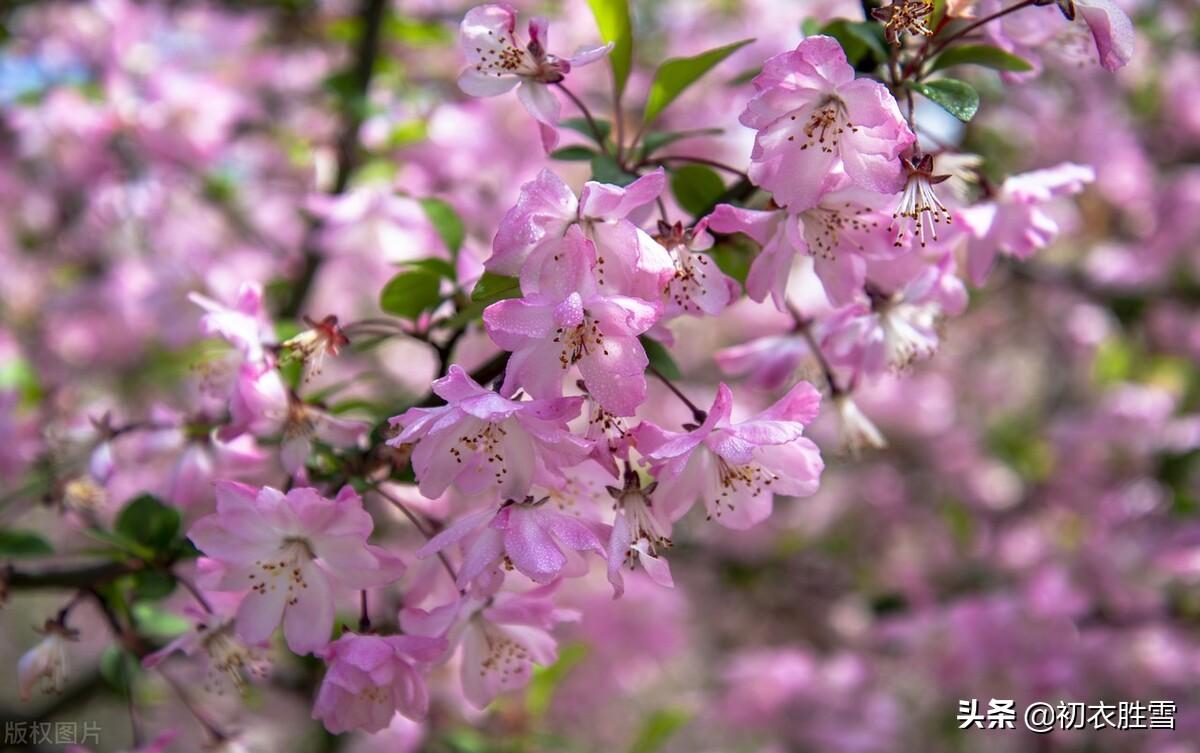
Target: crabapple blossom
[
  {"x": 638, "y": 535},
  {"x": 372, "y": 677},
  {"x": 736, "y": 468},
  {"x": 290, "y": 553},
  {"x": 498, "y": 61},
  {"x": 530, "y": 536},
  {"x": 480, "y": 440},
  {"x": 812, "y": 117},
  {"x": 46, "y": 662}
]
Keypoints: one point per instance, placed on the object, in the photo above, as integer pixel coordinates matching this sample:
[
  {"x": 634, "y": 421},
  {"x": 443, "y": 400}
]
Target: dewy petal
[
  {"x": 544, "y": 209},
  {"x": 609, "y": 202},
  {"x": 1112, "y": 30},
  {"x": 616, "y": 374},
  {"x": 531, "y": 548}
]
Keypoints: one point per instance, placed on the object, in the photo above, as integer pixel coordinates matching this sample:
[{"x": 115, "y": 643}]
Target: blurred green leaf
[
  {"x": 660, "y": 358},
  {"x": 448, "y": 224},
  {"x": 439, "y": 267},
  {"x": 955, "y": 97},
  {"x": 658, "y": 728},
  {"x": 410, "y": 293},
  {"x": 493, "y": 287},
  {"x": 612, "y": 18},
  {"x": 15, "y": 543},
  {"x": 546, "y": 680},
  {"x": 677, "y": 74},
  {"x": 152, "y": 585},
  {"x": 605, "y": 169},
  {"x": 656, "y": 140},
  {"x": 154, "y": 621},
  {"x": 149, "y": 522},
  {"x": 733, "y": 254},
  {"x": 980, "y": 54},
  {"x": 573, "y": 154},
  {"x": 119, "y": 668},
  {"x": 581, "y": 125},
  {"x": 858, "y": 38},
  {"x": 696, "y": 187}
]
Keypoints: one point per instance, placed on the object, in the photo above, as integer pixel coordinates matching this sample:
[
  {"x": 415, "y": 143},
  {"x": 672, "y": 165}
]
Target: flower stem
[
  {"x": 804, "y": 327},
  {"x": 587, "y": 114},
  {"x": 700, "y": 161},
  {"x": 697, "y": 414}
]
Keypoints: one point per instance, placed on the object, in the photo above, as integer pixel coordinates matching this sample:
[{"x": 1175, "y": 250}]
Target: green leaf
[
  {"x": 447, "y": 222},
  {"x": 439, "y": 267},
  {"x": 656, "y": 140},
  {"x": 493, "y": 287},
  {"x": 149, "y": 522},
  {"x": 546, "y": 680},
  {"x": 658, "y": 728},
  {"x": 696, "y": 187},
  {"x": 858, "y": 38},
  {"x": 581, "y": 125},
  {"x": 118, "y": 667},
  {"x": 605, "y": 169},
  {"x": 660, "y": 358},
  {"x": 955, "y": 97},
  {"x": 411, "y": 292},
  {"x": 157, "y": 622},
  {"x": 677, "y": 74},
  {"x": 612, "y": 18},
  {"x": 573, "y": 154},
  {"x": 980, "y": 54},
  {"x": 152, "y": 584},
  {"x": 15, "y": 544}
]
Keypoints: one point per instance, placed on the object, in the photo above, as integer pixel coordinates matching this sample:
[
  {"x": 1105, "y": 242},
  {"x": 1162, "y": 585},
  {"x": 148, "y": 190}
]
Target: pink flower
[
  {"x": 497, "y": 62},
  {"x": 768, "y": 363},
  {"x": 841, "y": 232},
  {"x": 371, "y": 677},
  {"x": 46, "y": 662},
  {"x": 698, "y": 286},
  {"x": 637, "y": 535},
  {"x": 628, "y": 260},
  {"x": 534, "y": 536},
  {"x": 231, "y": 661},
  {"x": 736, "y": 467},
  {"x": 480, "y": 439},
  {"x": 1013, "y": 222},
  {"x": 304, "y": 422},
  {"x": 572, "y": 320},
  {"x": 245, "y": 324},
  {"x": 812, "y": 116},
  {"x": 258, "y": 403},
  {"x": 502, "y": 637},
  {"x": 1110, "y": 27},
  {"x": 292, "y": 551}
]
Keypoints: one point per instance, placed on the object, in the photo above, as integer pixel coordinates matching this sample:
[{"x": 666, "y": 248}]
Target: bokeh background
[{"x": 1031, "y": 532}]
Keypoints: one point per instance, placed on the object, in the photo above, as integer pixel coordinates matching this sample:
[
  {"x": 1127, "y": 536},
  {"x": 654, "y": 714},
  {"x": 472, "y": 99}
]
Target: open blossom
[
  {"x": 291, "y": 552},
  {"x": 919, "y": 203},
  {"x": 1013, "y": 221},
  {"x": 245, "y": 324},
  {"x": 371, "y": 677},
  {"x": 305, "y": 422},
  {"x": 533, "y": 537},
  {"x": 480, "y": 440},
  {"x": 698, "y": 285},
  {"x": 628, "y": 260},
  {"x": 841, "y": 232},
  {"x": 1110, "y": 28},
  {"x": 497, "y": 61},
  {"x": 46, "y": 662},
  {"x": 232, "y": 663},
  {"x": 310, "y": 347},
  {"x": 812, "y": 115},
  {"x": 639, "y": 537},
  {"x": 574, "y": 320},
  {"x": 736, "y": 468},
  {"x": 1101, "y": 25},
  {"x": 502, "y": 637}
]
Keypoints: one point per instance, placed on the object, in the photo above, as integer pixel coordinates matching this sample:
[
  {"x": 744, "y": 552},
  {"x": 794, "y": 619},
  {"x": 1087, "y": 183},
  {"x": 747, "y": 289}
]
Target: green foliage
[
  {"x": 574, "y": 153},
  {"x": 155, "y": 621},
  {"x": 15, "y": 543},
  {"x": 658, "y": 728},
  {"x": 696, "y": 187},
  {"x": 607, "y": 170},
  {"x": 660, "y": 358},
  {"x": 955, "y": 97},
  {"x": 119, "y": 668},
  {"x": 412, "y": 292},
  {"x": 612, "y": 18},
  {"x": 677, "y": 74},
  {"x": 150, "y": 523},
  {"x": 493, "y": 287},
  {"x": 656, "y": 140},
  {"x": 862, "y": 40},
  {"x": 733, "y": 255},
  {"x": 980, "y": 54},
  {"x": 581, "y": 125},
  {"x": 546, "y": 680},
  {"x": 447, "y": 223}
]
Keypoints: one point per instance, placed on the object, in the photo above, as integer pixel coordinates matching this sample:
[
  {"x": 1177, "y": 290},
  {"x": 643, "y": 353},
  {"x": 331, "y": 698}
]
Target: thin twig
[
  {"x": 587, "y": 114},
  {"x": 697, "y": 414}
]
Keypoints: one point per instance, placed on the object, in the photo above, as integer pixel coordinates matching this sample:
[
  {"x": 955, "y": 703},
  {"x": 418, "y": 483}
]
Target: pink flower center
[
  {"x": 824, "y": 226},
  {"x": 285, "y": 572},
  {"x": 734, "y": 479},
  {"x": 691, "y": 273},
  {"x": 486, "y": 442},
  {"x": 826, "y": 125},
  {"x": 578, "y": 341}
]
